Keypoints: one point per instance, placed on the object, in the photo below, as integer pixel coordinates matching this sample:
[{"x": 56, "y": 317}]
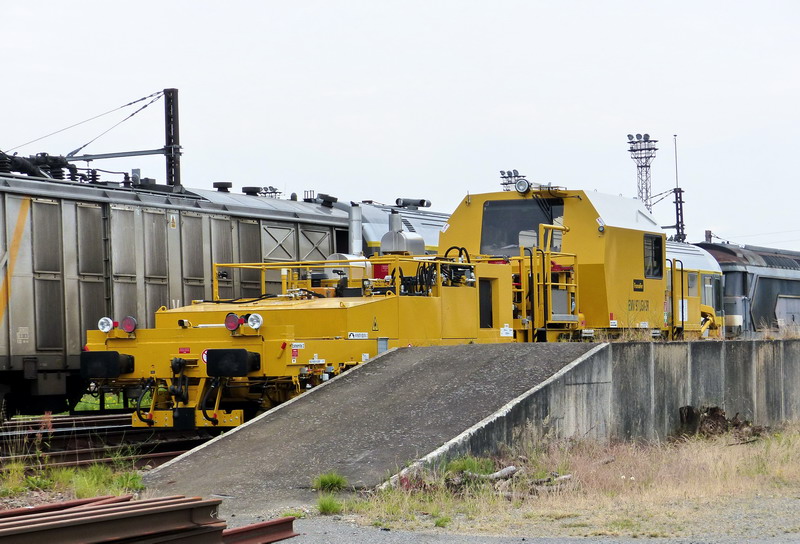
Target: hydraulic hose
[
  {"x": 147, "y": 386},
  {"x": 240, "y": 300},
  {"x": 462, "y": 252},
  {"x": 449, "y": 249},
  {"x": 214, "y": 385}
]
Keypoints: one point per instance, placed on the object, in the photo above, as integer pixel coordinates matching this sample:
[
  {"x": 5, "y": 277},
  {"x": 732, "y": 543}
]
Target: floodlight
[{"x": 522, "y": 186}]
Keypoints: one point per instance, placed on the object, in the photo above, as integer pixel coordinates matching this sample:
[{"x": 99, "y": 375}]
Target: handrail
[
  {"x": 296, "y": 275},
  {"x": 673, "y": 270}
]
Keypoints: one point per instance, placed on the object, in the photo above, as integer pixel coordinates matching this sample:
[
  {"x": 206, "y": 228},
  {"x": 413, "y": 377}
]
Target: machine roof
[
  {"x": 622, "y": 212},
  {"x": 753, "y": 255},
  {"x": 692, "y": 257}
]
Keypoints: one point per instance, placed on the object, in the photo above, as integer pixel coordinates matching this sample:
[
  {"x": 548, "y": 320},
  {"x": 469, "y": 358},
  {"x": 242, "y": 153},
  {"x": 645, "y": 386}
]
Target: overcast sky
[{"x": 430, "y": 99}]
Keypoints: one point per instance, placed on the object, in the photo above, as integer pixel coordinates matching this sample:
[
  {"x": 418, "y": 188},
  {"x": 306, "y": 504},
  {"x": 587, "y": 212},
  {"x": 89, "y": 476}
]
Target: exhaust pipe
[{"x": 355, "y": 224}]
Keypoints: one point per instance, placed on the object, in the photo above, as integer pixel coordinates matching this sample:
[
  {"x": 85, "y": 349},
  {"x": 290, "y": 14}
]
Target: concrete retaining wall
[{"x": 634, "y": 391}]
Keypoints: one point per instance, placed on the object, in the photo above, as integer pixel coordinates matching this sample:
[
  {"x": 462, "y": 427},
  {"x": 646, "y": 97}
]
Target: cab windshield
[{"x": 503, "y": 220}]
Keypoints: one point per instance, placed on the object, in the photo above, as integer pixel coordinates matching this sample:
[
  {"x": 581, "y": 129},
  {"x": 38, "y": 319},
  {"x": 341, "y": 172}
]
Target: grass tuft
[
  {"x": 38, "y": 482},
  {"x": 13, "y": 479},
  {"x": 299, "y": 514},
  {"x": 98, "y": 480},
  {"x": 329, "y": 482},
  {"x": 124, "y": 482},
  {"x": 441, "y": 521},
  {"x": 329, "y": 505},
  {"x": 61, "y": 478}
]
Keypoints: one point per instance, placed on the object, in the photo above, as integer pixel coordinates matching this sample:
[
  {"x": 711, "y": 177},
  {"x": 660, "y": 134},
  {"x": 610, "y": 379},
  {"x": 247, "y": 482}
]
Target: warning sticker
[{"x": 357, "y": 336}]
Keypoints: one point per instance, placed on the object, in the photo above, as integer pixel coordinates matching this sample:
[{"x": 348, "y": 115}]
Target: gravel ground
[
  {"x": 757, "y": 529},
  {"x": 761, "y": 520}
]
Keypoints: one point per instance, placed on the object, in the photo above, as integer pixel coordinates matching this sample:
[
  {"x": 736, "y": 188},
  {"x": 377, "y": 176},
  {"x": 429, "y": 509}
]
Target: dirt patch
[{"x": 712, "y": 421}]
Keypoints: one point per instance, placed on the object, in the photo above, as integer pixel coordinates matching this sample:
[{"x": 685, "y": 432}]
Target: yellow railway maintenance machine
[
  {"x": 625, "y": 266},
  {"x": 536, "y": 264}
]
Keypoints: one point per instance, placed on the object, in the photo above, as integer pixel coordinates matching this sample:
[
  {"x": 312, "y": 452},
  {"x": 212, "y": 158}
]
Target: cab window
[
  {"x": 653, "y": 256},
  {"x": 712, "y": 291},
  {"x": 707, "y": 295},
  {"x": 691, "y": 280}
]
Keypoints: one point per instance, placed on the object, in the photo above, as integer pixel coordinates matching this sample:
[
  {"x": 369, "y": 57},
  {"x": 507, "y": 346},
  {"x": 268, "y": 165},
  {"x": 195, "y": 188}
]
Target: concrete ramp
[{"x": 367, "y": 424}]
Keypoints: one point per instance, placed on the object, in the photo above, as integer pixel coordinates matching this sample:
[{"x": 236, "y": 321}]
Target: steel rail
[
  {"x": 162, "y": 456},
  {"x": 95, "y": 445},
  {"x": 54, "y": 422},
  {"x": 175, "y": 519},
  {"x": 260, "y": 533},
  {"x": 50, "y": 507},
  {"x": 116, "y": 522}
]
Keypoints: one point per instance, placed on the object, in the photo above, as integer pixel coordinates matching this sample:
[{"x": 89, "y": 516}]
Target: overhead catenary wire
[
  {"x": 729, "y": 239},
  {"x": 764, "y": 233},
  {"x": 154, "y": 96},
  {"x": 786, "y": 241},
  {"x": 75, "y": 151}
]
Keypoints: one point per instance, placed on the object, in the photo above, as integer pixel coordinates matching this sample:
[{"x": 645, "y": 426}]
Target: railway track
[{"x": 61, "y": 441}]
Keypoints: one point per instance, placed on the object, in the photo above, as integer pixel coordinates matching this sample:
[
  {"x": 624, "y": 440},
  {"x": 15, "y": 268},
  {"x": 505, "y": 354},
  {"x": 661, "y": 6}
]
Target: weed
[
  {"x": 660, "y": 488},
  {"x": 13, "y": 479},
  {"x": 329, "y": 482},
  {"x": 293, "y": 514},
  {"x": 91, "y": 401},
  {"x": 100, "y": 480},
  {"x": 29, "y": 446},
  {"x": 329, "y": 505},
  {"x": 61, "y": 478},
  {"x": 127, "y": 481},
  {"x": 623, "y": 524},
  {"x": 576, "y": 524},
  {"x": 99, "y": 473},
  {"x": 555, "y": 516},
  {"x": 441, "y": 521},
  {"x": 38, "y": 481},
  {"x": 124, "y": 458},
  {"x": 471, "y": 464}
]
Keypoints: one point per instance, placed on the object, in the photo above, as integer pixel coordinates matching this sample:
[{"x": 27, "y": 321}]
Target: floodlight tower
[{"x": 643, "y": 151}]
